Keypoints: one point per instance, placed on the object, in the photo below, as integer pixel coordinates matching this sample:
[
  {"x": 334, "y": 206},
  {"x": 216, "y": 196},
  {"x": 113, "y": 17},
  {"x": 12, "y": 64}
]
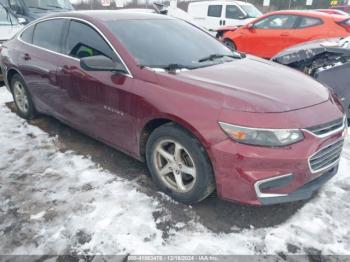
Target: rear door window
[
  {"x": 84, "y": 41},
  {"x": 215, "y": 10},
  {"x": 48, "y": 34},
  {"x": 277, "y": 22},
  {"x": 309, "y": 22}
]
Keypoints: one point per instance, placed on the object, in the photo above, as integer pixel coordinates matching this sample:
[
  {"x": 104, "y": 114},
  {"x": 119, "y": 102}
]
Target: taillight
[{"x": 345, "y": 24}]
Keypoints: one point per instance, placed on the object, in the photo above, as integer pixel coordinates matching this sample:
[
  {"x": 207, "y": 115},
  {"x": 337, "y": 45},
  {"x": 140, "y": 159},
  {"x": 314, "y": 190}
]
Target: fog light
[{"x": 273, "y": 182}]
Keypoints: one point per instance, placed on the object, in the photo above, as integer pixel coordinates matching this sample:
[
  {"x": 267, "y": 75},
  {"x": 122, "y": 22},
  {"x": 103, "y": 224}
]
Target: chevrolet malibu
[{"x": 202, "y": 117}]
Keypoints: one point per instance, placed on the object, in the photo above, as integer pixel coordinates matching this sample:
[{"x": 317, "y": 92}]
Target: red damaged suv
[{"x": 161, "y": 90}]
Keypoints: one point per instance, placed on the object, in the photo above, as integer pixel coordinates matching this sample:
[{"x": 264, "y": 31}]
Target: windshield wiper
[
  {"x": 57, "y": 7},
  {"x": 218, "y": 56},
  {"x": 37, "y": 7},
  {"x": 170, "y": 67}
]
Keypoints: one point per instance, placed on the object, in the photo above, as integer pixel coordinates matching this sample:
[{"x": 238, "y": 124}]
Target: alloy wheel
[
  {"x": 20, "y": 97},
  {"x": 175, "y": 166}
]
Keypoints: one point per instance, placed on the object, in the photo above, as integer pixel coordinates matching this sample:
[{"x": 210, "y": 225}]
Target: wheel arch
[
  {"x": 230, "y": 40},
  {"x": 154, "y": 123},
  {"x": 9, "y": 75}
]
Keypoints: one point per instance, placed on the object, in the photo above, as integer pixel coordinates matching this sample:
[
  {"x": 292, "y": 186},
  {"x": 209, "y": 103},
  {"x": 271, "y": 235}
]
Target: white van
[{"x": 215, "y": 14}]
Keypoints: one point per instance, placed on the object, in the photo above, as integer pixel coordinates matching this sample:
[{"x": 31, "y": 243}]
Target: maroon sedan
[{"x": 163, "y": 91}]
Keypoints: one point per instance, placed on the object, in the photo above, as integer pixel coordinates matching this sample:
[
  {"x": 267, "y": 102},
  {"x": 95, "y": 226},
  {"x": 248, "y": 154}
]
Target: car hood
[
  {"x": 312, "y": 49},
  {"x": 257, "y": 85},
  {"x": 8, "y": 31}
]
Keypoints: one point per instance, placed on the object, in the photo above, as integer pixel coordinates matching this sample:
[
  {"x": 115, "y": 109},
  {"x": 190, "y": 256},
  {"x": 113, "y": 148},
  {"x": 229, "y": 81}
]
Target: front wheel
[
  {"x": 230, "y": 44},
  {"x": 179, "y": 165}
]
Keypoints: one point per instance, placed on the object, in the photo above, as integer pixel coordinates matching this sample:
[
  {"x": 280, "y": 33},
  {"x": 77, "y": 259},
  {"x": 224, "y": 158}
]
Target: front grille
[
  {"x": 328, "y": 128},
  {"x": 326, "y": 157}
]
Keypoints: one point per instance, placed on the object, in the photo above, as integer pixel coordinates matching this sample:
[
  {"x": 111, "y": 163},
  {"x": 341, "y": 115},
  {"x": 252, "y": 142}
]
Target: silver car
[{"x": 9, "y": 26}]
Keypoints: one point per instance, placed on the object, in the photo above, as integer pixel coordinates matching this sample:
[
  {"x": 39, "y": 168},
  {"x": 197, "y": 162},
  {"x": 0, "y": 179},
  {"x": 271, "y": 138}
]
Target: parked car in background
[
  {"x": 344, "y": 8},
  {"x": 327, "y": 60},
  {"x": 270, "y": 34},
  {"x": 29, "y": 10},
  {"x": 215, "y": 14},
  {"x": 333, "y": 11},
  {"x": 174, "y": 11},
  {"x": 168, "y": 10},
  {"x": 9, "y": 26},
  {"x": 201, "y": 116}
]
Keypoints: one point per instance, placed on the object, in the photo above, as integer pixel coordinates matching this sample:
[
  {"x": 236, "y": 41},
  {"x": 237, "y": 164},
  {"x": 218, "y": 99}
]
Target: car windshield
[
  {"x": 6, "y": 18},
  {"x": 162, "y": 42},
  {"x": 49, "y": 4},
  {"x": 251, "y": 11}
]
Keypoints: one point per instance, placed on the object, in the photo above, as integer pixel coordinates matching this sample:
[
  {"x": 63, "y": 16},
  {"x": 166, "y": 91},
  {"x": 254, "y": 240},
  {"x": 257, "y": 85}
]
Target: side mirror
[
  {"x": 22, "y": 20},
  {"x": 100, "y": 63},
  {"x": 243, "y": 17}
]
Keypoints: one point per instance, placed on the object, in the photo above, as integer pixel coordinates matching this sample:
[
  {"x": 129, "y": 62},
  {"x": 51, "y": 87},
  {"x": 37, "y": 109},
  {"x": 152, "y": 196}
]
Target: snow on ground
[{"x": 54, "y": 202}]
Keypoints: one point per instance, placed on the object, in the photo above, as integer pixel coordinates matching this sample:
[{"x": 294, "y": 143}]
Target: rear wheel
[
  {"x": 179, "y": 165},
  {"x": 23, "y": 100},
  {"x": 229, "y": 43}
]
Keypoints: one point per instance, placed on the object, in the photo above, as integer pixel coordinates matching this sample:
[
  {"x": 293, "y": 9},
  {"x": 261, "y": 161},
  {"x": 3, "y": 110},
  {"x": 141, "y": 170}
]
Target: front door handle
[{"x": 284, "y": 34}]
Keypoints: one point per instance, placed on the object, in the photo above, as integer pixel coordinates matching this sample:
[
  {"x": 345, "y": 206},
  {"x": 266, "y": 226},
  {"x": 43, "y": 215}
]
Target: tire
[
  {"x": 187, "y": 179},
  {"x": 230, "y": 44},
  {"x": 22, "y": 98}
]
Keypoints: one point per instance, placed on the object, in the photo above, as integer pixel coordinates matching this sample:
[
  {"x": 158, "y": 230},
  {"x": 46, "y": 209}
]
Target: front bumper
[
  {"x": 283, "y": 174},
  {"x": 304, "y": 192},
  {"x": 263, "y": 176}
]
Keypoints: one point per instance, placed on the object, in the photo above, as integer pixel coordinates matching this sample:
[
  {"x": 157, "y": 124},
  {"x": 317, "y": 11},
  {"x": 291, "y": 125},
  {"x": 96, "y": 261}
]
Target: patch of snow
[
  {"x": 37, "y": 216},
  {"x": 56, "y": 203}
]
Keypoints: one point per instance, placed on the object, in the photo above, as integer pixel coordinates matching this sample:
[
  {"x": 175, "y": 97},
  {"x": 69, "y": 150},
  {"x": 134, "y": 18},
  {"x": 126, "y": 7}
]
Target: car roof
[
  {"x": 110, "y": 15},
  {"x": 313, "y": 13},
  {"x": 335, "y": 6},
  {"x": 220, "y": 2}
]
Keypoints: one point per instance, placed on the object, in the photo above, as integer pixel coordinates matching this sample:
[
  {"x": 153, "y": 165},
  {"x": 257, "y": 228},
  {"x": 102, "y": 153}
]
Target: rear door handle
[
  {"x": 284, "y": 34},
  {"x": 26, "y": 57}
]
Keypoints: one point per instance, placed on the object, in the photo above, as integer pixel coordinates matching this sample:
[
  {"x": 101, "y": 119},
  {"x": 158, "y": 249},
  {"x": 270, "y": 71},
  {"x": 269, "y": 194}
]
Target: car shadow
[{"x": 217, "y": 215}]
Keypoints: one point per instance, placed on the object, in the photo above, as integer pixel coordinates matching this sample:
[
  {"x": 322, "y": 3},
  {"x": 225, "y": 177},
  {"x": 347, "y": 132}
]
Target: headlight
[{"x": 262, "y": 137}]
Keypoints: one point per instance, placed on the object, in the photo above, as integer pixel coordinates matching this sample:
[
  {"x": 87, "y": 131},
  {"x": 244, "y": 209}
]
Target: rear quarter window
[
  {"x": 346, "y": 22},
  {"x": 27, "y": 35}
]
